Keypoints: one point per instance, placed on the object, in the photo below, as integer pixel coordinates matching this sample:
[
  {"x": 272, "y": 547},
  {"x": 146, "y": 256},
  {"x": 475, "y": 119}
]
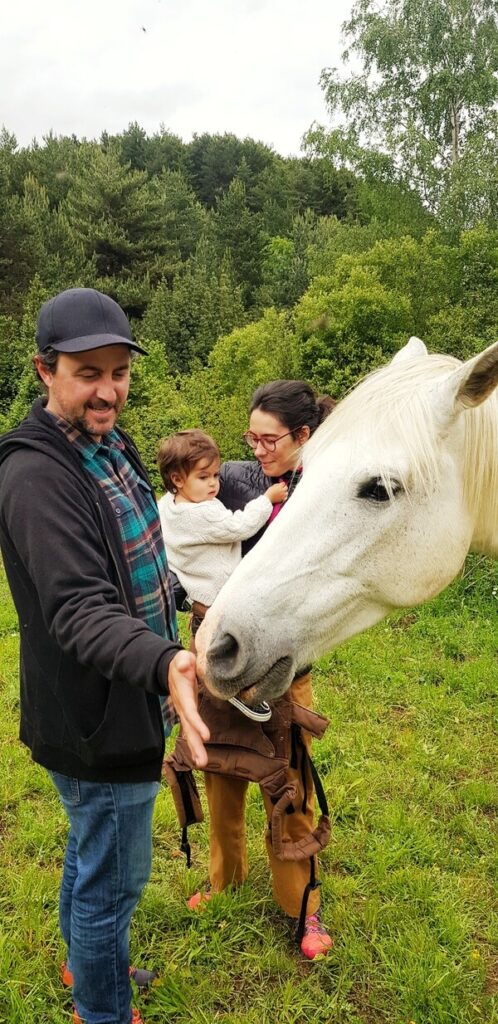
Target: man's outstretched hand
[{"x": 182, "y": 685}]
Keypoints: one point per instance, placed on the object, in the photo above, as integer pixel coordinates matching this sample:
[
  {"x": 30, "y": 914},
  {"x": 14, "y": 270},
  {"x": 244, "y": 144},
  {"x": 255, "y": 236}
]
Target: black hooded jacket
[
  {"x": 91, "y": 671},
  {"x": 242, "y": 481}
]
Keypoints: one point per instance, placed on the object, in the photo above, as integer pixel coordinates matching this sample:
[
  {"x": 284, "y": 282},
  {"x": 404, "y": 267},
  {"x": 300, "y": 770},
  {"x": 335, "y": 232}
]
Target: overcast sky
[{"x": 245, "y": 66}]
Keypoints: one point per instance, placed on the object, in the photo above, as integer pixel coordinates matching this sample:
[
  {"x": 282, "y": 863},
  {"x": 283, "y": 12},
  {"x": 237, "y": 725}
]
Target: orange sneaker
[
  {"x": 316, "y": 940},
  {"x": 66, "y": 976},
  {"x": 198, "y": 900},
  {"x": 135, "y": 1017},
  {"x": 142, "y": 978}
]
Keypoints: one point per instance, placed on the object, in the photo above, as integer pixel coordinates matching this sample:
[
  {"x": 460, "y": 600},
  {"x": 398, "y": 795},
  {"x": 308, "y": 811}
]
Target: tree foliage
[
  {"x": 237, "y": 266},
  {"x": 202, "y": 303},
  {"x": 426, "y": 90}
]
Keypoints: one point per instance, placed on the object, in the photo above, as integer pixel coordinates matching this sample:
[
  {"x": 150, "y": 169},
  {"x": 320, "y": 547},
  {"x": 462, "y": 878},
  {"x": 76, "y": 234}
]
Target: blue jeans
[{"x": 107, "y": 863}]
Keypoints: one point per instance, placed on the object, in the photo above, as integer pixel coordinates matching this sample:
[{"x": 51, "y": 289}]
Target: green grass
[{"x": 409, "y": 881}]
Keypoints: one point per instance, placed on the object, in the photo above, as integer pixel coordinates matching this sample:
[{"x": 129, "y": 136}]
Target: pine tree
[
  {"x": 19, "y": 237},
  {"x": 117, "y": 216},
  {"x": 240, "y": 232},
  {"x": 188, "y": 317}
]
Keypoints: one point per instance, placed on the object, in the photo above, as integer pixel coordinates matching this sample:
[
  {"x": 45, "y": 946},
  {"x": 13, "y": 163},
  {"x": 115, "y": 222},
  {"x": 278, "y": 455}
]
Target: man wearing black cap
[{"x": 83, "y": 552}]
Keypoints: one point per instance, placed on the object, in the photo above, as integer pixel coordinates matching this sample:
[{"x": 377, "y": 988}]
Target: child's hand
[{"x": 277, "y": 492}]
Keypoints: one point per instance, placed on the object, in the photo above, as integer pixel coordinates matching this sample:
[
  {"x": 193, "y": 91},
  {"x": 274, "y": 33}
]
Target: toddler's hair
[{"x": 182, "y": 451}]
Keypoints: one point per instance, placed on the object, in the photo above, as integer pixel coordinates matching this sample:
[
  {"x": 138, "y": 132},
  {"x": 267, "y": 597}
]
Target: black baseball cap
[{"x": 80, "y": 319}]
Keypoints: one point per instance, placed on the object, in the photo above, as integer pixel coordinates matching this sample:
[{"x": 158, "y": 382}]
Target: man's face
[{"x": 89, "y": 389}]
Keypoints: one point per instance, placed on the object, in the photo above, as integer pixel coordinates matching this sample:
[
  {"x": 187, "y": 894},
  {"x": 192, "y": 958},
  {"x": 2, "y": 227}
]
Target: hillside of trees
[{"x": 237, "y": 265}]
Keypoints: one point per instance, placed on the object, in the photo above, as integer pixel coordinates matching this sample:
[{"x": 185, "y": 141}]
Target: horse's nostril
[{"x": 223, "y": 648}]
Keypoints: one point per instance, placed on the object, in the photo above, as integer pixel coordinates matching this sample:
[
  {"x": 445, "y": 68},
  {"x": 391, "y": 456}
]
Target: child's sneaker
[
  {"x": 258, "y": 713},
  {"x": 316, "y": 940},
  {"x": 198, "y": 900}
]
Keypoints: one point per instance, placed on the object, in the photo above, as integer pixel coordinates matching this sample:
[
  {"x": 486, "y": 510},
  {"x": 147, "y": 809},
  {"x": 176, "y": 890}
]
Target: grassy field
[{"x": 409, "y": 879}]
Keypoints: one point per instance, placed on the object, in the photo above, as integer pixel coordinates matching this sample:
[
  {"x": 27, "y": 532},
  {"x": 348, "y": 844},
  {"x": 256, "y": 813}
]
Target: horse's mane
[{"x": 396, "y": 403}]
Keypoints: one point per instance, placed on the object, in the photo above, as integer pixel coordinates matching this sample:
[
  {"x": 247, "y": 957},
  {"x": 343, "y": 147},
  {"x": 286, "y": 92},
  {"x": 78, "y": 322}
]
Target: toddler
[{"x": 202, "y": 537}]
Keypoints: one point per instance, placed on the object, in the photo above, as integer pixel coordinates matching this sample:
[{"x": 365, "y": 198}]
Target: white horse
[{"x": 399, "y": 483}]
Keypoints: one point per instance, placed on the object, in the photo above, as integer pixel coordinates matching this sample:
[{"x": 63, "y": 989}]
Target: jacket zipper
[{"x": 115, "y": 563}]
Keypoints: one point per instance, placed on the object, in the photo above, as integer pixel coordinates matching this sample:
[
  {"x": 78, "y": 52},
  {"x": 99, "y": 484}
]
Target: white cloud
[{"x": 246, "y": 66}]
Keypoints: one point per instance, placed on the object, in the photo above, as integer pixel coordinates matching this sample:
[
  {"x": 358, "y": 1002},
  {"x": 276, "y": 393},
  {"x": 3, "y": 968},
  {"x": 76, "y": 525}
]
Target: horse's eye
[{"x": 375, "y": 490}]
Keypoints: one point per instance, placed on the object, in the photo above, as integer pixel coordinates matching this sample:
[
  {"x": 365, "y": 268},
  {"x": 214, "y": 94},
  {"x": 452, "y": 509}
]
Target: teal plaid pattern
[{"x": 135, "y": 508}]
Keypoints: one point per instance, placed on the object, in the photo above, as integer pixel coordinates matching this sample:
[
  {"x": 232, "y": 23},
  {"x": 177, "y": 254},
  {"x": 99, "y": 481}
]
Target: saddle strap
[
  {"x": 315, "y": 841},
  {"x": 185, "y": 794},
  {"x": 313, "y": 884}
]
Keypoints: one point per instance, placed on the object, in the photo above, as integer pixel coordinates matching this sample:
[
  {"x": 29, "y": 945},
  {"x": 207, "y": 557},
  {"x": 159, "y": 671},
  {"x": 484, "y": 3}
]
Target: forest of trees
[{"x": 237, "y": 265}]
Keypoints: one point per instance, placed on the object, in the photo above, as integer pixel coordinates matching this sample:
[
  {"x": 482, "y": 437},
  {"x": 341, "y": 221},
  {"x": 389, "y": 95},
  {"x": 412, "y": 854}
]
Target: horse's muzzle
[{"x": 268, "y": 687}]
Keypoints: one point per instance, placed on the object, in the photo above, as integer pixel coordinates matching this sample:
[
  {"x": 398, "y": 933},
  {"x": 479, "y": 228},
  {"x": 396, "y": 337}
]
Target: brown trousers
[
  {"x": 227, "y": 832},
  {"x": 226, "y": 797}
]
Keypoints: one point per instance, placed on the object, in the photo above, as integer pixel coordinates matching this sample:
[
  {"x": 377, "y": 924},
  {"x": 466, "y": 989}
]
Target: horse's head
[{"x": 398, "y": 483}]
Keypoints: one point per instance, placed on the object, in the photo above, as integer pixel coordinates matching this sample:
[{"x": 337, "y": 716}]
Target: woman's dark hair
[{"x": 293, "y": 402}]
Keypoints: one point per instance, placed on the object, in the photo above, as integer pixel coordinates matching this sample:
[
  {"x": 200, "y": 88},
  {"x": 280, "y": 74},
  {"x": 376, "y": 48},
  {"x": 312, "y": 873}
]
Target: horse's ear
[
  {"x": 414, "y": 349},
  {"x": 475, "y": 381}
]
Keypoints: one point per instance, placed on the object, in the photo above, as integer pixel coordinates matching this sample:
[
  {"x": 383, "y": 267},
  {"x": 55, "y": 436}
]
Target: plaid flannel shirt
[{"x": 137, "y": 515}]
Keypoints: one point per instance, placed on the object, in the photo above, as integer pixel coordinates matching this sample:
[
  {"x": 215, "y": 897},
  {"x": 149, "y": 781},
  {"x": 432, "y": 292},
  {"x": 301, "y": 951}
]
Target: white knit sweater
[{"x": 203, "y": 540}]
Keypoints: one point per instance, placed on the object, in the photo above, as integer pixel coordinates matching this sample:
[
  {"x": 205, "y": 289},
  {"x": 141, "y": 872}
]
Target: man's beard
[{"x": 81, "y": 423}]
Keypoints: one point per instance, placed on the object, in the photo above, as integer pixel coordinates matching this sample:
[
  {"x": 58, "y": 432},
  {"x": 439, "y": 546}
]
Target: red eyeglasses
[{"x": 268, "y": 443}]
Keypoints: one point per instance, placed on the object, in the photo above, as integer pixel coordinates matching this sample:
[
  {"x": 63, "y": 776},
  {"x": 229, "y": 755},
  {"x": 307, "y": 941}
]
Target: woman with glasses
[{"x": 283, "y": 415}]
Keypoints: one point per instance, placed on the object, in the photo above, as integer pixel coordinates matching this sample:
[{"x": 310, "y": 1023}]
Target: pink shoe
[
  {"x": 198, "y": 900},
  {"x": 316, "y": 940}
]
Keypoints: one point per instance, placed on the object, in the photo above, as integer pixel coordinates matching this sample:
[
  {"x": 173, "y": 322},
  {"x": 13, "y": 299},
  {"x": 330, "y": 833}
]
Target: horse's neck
[{"x": 482, "y": 476}]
